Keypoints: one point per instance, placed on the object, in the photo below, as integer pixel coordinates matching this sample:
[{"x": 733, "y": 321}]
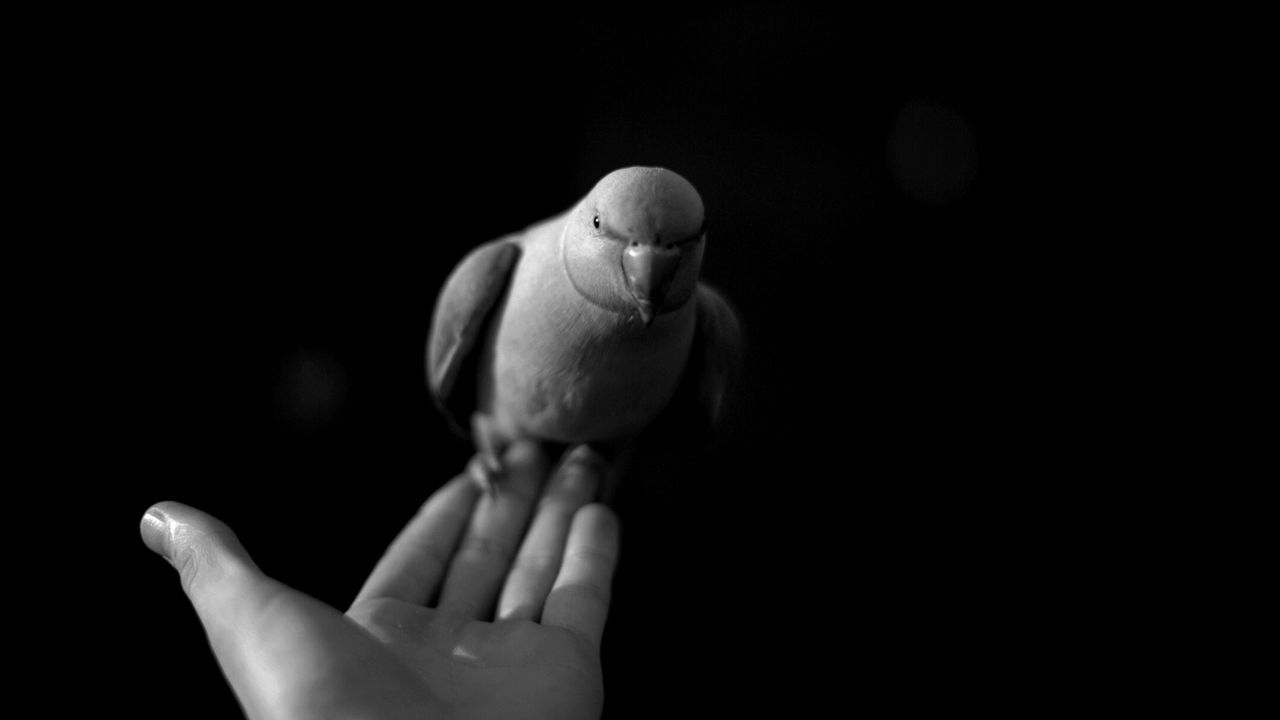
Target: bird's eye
[{"x": 596, "y": 221}]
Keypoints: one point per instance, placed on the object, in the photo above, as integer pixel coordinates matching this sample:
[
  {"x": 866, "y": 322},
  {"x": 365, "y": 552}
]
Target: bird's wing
[
  {"x": 696, "y": 416},
  {"x": 715, "y": 360},
  {"x": 700, "y": 419},
  {"x": 461, "y": 317}
]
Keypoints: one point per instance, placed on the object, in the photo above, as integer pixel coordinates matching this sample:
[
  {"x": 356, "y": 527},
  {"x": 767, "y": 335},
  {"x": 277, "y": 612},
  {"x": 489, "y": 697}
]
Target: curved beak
[{"x": 649, "y": 271}]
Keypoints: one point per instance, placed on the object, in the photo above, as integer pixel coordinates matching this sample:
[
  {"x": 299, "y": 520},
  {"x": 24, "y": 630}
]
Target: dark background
[{"x": 272, "y": 203}]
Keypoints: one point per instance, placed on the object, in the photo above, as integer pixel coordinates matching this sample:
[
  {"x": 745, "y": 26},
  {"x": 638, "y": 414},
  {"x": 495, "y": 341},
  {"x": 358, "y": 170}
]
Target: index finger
[{"x": 414, "y": 564}]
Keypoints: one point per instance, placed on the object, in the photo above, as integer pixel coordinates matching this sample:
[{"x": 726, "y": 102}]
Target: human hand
[{"x": 466, "y": 615}]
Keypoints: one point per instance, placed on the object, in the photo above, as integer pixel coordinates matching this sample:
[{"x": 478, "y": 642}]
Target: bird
[{"x": 589, "y": 328}]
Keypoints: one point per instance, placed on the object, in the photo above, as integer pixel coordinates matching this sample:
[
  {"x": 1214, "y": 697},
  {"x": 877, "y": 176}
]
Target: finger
[
  {"x": 206, "y": 554},
  {"x": 498, "y": 522},
  {"x": 415, "y": 563},
  {"x": 230, "y": 595},
  {"x": 579, "y": 600},
  {"x": 538, "y": 561},
  {"x": 270, "y": 640}
]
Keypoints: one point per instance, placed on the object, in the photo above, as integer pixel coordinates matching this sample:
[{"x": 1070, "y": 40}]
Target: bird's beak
[{"x": 649, "y": 271}]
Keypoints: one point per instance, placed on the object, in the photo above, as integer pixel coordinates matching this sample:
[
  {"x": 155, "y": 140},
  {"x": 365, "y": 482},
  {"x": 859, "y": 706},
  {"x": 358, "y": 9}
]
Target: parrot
[{"x": 588, "y": 328}]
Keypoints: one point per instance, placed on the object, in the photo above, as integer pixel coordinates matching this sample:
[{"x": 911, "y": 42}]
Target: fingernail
[
  {"x": 583, "y": 458},
  {"x": 522, "y": 452},
  {"x": 155, "y": 532},
  {"x": 582, "y": 471}
]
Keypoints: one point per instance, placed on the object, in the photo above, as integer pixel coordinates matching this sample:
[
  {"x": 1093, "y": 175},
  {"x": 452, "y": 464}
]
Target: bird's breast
[{"x": 567, "y": 370}]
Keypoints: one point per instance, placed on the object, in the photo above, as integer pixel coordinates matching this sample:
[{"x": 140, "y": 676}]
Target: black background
[{"x": 270, "y": 205}]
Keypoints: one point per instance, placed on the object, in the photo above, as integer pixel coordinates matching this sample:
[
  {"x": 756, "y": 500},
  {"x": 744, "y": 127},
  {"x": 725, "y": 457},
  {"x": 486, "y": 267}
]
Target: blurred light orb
[
  {"x": 311, "y": 389},
  {"x": 932, "y": 154}
]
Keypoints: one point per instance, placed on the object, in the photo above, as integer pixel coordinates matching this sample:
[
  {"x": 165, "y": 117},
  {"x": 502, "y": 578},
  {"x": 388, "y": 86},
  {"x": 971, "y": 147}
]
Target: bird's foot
[{"x": 486, "y": 470}]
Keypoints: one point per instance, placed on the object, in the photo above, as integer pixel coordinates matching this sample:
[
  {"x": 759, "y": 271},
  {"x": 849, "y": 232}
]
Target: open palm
[{"x": 474, "y": 611}]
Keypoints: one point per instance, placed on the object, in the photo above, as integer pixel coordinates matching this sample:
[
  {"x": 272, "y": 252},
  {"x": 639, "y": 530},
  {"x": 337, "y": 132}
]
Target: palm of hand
[
  {"x": 507, "y": 668},
  {"x": 512, "y": 635}
]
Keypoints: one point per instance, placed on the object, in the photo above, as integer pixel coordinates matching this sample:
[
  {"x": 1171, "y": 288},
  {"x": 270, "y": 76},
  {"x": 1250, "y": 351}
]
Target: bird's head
[{"x": 634, "y": 244}]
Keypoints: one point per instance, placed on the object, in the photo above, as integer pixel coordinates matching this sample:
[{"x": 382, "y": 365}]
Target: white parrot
[{"x": 584, "y": 328}]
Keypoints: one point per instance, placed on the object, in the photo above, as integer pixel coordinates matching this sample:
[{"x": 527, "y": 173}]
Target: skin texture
[
  {"x": 483, "y": 607},
  {"x": 581, "y": 329}
]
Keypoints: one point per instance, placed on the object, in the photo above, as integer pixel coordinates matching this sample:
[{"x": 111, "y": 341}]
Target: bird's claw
[{"x": 485, "y": 469}]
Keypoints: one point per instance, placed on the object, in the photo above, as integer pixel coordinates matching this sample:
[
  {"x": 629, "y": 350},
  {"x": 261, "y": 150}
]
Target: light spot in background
[
  {"x": 932, "y": 154},
  {"x": 311, "y": 389}
]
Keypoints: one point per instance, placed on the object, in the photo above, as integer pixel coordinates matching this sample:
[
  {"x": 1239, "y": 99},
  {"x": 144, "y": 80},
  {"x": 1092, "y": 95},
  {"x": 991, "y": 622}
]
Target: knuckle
[
  {"x": 486, "y": 548},
  {"x": 557, "y": 505},
  {"x": 536, "y": 563},
  {"x": 186, "y": 561},
  {"x": 197, "y": 551},
  {"x": 591, "y": 557},
  {"x": 428, "y": 553},
  {"x": 591, "y": 592},
  {"x": 378, "y": 611}
]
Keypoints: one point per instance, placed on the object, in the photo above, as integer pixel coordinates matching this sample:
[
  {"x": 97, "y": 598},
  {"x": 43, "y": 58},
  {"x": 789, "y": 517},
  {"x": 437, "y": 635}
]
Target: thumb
[
  {"x": 277, "y": 646},
  {"x": 227, "y": 590},
  {"x": 204, "y": 551}
]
